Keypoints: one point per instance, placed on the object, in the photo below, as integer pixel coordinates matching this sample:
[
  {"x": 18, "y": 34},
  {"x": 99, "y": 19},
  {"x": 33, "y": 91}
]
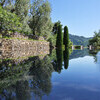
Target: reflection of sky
[
  {"x": 98, "y": 58},
  {"x": 81, "y": 81}
]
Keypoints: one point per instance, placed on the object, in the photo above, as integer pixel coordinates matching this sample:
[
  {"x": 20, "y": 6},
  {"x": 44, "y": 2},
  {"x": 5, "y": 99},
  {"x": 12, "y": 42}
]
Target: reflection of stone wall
[{"x": 14, "y": 48}]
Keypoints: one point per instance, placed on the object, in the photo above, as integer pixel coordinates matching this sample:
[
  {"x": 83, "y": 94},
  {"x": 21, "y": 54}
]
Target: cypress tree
[
  {"x": 66, "y": 37},
  {"x": 59, "y": 40}
]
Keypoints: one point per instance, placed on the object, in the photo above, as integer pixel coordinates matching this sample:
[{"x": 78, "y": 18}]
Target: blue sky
[{"x": 81, "y": 16}]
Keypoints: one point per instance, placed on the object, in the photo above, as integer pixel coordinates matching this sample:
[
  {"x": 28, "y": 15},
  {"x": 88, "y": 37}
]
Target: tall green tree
[
  {"x": 66, "y": 37},
  {"x": 40, "y": 22},
  {"x": 9, "y": 5},
  {"x": 59, "y": 41},
  {"x": 55, "y": 27},
  {"x": 53, "y": 36},
  {"x": 5, "y": 2},
  {"x": 34, "y": 15},
  {"x": 21, "y": 8}
]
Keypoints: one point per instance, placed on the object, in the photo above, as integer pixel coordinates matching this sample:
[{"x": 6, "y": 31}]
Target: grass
[{"x": 21, "y": 39}]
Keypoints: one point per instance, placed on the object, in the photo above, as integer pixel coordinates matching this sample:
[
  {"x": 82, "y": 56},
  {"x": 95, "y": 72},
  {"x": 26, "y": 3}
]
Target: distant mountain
[{"x": 79, "y": 40}]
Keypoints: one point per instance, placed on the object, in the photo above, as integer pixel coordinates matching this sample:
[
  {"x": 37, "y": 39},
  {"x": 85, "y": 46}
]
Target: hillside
[{"x": 79, "y": 40}]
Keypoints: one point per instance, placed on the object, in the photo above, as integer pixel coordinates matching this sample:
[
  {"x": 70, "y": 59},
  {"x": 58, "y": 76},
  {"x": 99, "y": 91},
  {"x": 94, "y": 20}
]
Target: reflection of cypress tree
[
  {"x": 66, "y": 58},
  {"x": 59, "y": 55}
]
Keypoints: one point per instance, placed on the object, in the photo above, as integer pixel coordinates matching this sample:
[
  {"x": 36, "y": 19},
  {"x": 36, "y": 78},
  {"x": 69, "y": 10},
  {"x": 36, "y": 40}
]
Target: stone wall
[
  {"x": 15, "y": 48},
  {"x": 17, "y": 35}
]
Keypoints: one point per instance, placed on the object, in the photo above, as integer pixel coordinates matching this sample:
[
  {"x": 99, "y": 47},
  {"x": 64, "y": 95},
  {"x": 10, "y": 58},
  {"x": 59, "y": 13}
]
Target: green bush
[{"x": 9, "y": 21}]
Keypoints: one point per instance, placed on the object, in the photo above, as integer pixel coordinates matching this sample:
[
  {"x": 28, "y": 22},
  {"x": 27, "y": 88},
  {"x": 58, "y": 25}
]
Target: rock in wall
[{"x": 15, "y": 48}]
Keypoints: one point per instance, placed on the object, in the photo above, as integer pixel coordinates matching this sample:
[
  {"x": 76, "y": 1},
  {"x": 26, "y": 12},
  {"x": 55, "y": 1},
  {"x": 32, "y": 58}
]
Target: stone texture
[
  {"x": 40, "y": 38},
  {"x": 15, "y": 48}
]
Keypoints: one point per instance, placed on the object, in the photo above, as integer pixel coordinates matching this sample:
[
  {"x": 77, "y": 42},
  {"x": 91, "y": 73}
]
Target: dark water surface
[{"x": 58, "y": 76}]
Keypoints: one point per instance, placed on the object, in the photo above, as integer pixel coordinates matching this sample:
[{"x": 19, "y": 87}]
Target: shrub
[{"x": 9, "y": 21}]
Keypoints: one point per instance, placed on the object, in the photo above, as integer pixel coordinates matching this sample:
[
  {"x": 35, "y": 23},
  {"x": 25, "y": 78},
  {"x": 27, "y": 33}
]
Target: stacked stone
[
  {"x": 20, "y": 36},
  {"x": 6, "y": 44},
  {"x": 14, "y": 48}
]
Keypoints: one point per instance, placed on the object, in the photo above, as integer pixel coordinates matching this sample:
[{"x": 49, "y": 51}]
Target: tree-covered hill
[
  {"x": 79, "y": 40},
  {"x": 95, "y": 41}
]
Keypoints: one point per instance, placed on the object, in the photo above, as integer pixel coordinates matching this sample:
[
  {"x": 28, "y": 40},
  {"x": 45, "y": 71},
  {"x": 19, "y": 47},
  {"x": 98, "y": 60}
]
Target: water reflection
[
  {"x": 59, "y": 55},
  {"x": 41, "y": 81},
  {"x": 31, "y": 78},
  {"x": 96, "y": 55},
  {"x": 79, "y": 53},
  {"x": 66, "y": 58},
  {"x": 22, "y": 81}
]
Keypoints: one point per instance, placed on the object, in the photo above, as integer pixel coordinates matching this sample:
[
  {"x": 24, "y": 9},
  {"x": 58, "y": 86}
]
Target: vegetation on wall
[{"x": 9, "y": 21}]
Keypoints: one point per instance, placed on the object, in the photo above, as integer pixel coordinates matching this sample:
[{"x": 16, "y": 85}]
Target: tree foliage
[
  {"x": 95, "y": 41},
  {"x": 21, "y": 8},
  {"x": 9, "y": 21},
  {"x": 59, "y": 40},
  {"x": 55, "y": 33},
  {"x": 34, "y": 15},
  {"x": 55, "y": 27},
  {"x": 40, "y": 21},
  {"x": 79, "y": 40},
  {"x": 66, "y": 37},
  {"x": 30, "y": 17},
  {"x": 5, "y": 2}
]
